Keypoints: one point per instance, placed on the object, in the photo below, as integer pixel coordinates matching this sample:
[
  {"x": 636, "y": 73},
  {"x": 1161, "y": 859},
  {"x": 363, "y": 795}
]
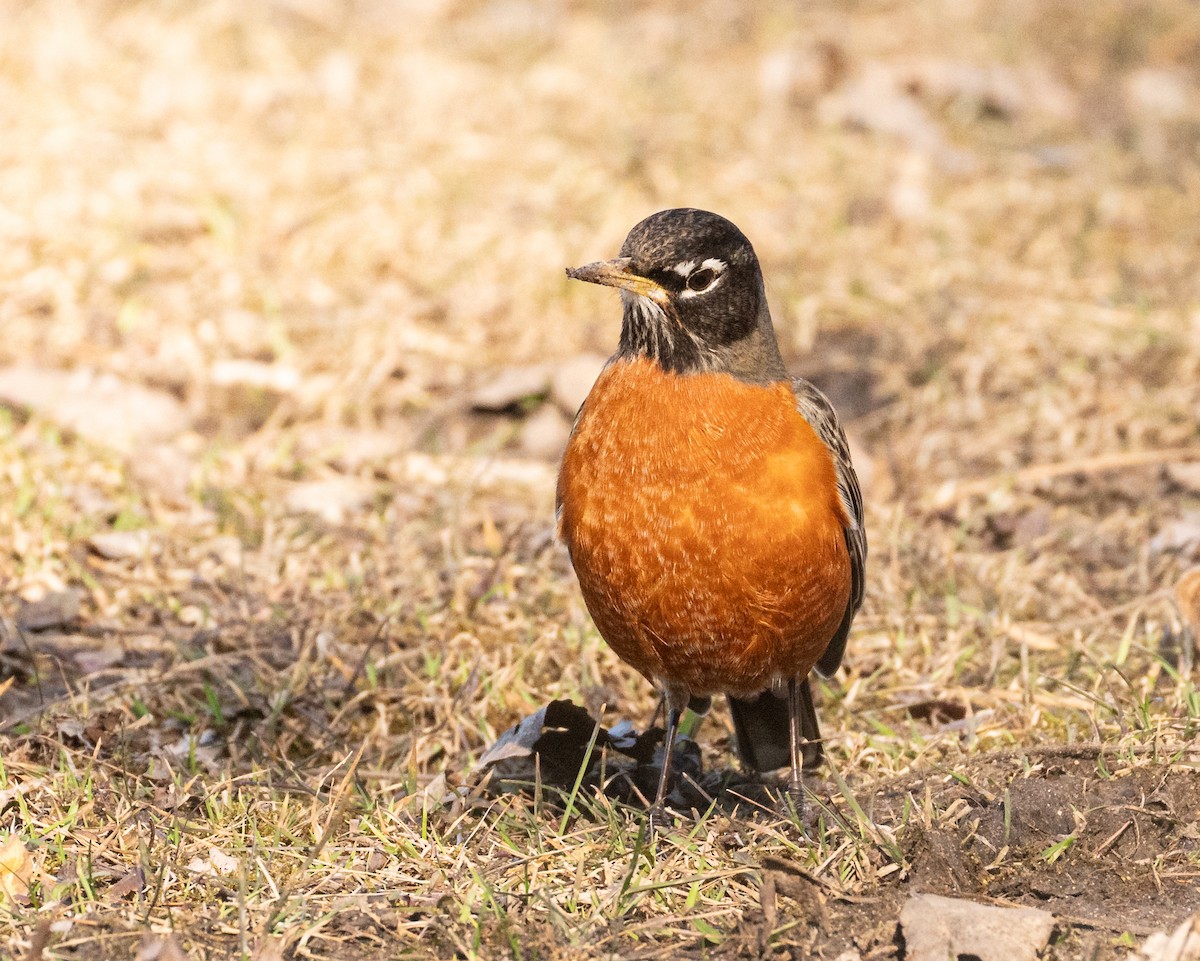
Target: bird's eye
[{"x": 701, "y": 279}]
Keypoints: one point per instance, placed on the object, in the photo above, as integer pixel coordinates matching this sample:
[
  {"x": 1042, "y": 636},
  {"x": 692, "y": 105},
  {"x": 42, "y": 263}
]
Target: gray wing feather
[{"x": 815, "y": 408}]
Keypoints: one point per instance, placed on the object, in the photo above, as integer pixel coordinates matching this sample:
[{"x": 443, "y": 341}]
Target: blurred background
[{"x": 351, "y": 215}]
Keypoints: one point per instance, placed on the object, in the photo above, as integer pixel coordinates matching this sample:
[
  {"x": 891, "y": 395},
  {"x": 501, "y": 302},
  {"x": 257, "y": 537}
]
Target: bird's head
[{"x": 693, "y": 296}]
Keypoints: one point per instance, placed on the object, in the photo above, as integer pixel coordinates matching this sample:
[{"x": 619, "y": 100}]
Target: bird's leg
[
  {"x": 658, "y": 812},
  {"x": 796, "y": 743},
  {"x": 658, "y": 709}
]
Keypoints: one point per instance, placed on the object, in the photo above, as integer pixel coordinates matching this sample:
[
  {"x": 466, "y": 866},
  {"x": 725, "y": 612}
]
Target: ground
[{"x": 277, "y": 569}]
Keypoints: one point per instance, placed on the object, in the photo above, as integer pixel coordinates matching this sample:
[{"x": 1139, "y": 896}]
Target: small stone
[
  {"x": 1159, "y": 93},
  {"x": 1185, "y": 475},
  {"x": 56, "y": 609},
  {"x": 1182, "y": 944},
  {"x": 164, "y": 469},
  {"x": 348, "y": 449},
  {"x": 1180, "y": 536},
  {"x": 332, "y": 500},
  {"x": 544, "y": 433},
  {"x": 120, "y": 545},
  {"x": 573, "y": 379},
  {"x": 936, "y": 928}
]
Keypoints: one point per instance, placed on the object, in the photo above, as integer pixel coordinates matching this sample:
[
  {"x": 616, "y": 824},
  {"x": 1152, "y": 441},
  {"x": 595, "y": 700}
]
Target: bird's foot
[
  {"x": 792, "y": 807},
  {"x": 660, "y": 821}
]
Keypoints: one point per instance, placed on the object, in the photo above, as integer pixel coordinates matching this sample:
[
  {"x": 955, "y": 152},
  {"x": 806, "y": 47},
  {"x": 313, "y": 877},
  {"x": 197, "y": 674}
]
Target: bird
[{"x": 707, "y": 498}]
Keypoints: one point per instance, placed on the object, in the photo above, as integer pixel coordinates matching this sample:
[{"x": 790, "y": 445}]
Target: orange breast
[{"x": 705, "y": 527}]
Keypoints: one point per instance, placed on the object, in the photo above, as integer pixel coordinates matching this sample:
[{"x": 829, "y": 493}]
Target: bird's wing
[{"x": 815, "y": 408}]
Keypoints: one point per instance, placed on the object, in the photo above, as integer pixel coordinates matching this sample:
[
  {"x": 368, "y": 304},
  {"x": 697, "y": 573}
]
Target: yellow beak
[{"x": 616, "y": 273}]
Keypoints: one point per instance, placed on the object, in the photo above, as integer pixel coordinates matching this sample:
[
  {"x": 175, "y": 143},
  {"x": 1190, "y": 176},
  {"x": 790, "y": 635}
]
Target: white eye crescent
[{"x": 704, "y": 277}]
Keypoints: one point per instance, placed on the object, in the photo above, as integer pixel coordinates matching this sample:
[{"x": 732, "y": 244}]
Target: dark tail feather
[{"x": 761, "y": 726}]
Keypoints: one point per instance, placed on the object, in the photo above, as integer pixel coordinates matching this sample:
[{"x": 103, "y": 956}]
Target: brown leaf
[
  {"x": 16, "y": 868},
  {"x": 132, "y": 883}
]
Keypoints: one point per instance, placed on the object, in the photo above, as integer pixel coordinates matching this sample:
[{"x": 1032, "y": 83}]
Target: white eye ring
[{"x": 703, "y": 278}]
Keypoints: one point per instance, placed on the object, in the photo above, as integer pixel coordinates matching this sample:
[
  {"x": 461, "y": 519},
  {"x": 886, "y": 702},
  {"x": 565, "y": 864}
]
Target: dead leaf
[
  {"x": 102, "y": 408},
  {"x": 558, "y": 733},
  {"x": 552, "y": 745},
  {"x": 132, "y": 883},
  {"x": 217, "y": 864},
  {"x": 16, "y": 869},
  {"x": 1032, "y": 638}
]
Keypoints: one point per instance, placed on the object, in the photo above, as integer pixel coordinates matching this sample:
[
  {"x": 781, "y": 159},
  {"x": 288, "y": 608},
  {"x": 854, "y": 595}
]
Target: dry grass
[{"x": 265, "y": 726}]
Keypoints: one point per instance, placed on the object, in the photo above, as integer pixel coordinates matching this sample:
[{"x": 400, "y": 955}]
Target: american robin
[{"x": 707, "y": 498}]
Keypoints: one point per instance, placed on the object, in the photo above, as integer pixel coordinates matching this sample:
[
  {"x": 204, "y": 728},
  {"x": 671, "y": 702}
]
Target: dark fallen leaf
[
  {"x": 937, "y": 710},
  {"x": 552, "y": 745}
]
